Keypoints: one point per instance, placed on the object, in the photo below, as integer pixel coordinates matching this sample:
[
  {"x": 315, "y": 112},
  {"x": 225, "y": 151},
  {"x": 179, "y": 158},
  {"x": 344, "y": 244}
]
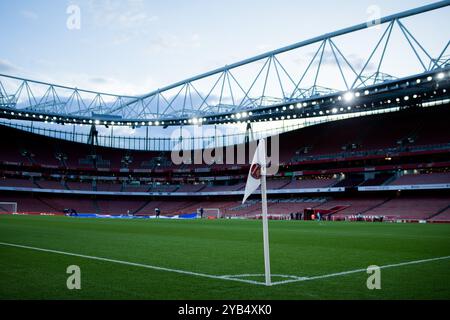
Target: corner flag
[
  {"x": 257, "y": 177},
  {"x": 254, "y": 175}
]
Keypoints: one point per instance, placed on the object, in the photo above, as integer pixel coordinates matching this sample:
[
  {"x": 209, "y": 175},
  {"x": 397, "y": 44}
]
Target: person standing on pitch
[
  {"x": 201, "y": 213},
  {"x": 157, "y": 212}
]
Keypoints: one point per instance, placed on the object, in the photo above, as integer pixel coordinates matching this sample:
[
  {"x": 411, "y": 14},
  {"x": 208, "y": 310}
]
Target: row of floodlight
[{"x": 264, "y": 114}]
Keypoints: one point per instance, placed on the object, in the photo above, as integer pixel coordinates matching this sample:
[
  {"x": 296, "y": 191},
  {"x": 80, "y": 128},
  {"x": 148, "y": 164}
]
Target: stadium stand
[{"x": 414, "y": 151}]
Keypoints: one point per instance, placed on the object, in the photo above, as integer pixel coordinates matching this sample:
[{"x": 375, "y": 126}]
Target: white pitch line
[
  {"x": 225, "y": 277},
  {"x": 131, "y": 263},
  {"x": 361, "y": 270}
]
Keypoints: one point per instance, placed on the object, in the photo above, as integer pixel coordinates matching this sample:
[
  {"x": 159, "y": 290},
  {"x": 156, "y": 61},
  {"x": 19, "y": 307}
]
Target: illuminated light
[
  {"x": 406, "y": 98},
  {"x": 339, "y": 98},
  {"x": 157, "y": 123},
  {"x": 284, "y": 108},
  {"x": 334, "y": 110},
  {"x": 143, "y": 123},
  {"x": 238, "y": 115},
  {"x": 194, "y": 121},
  {"x": 415, "y": 96},
  {"x": 244, "y": 114},
  {"x": 398, "y": 99},
  {"x": 441, "y": 76},
  {"x": 288, "y": 117},
  {"x": 321, "y": 112},
  {"x": 366, "y": 92},
  {"x": 113, "y": 123},
  {"x": 12, "y": 113},
  {"x": 27, "y": 115},
  {"x": 250, "y": 113},
  {"x": 305, "y": 104},
  {"x": 162, "y": 122},
  {"x": 348, "y": 96},
  {"x": 294, "y": 116},
  {"x": 430, "y": 78},
  {"x": 357, "y": 94},
  {"x": 349, "y": 108},
  {"x": 291, "y": 107},
  {"x": 389, "y": 101},
  {"x": 282, "y": 118},
  {"x": 418, "y": 81}
]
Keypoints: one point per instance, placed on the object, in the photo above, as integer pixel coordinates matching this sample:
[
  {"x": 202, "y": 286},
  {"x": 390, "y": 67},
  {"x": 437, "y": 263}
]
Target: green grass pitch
[{"x": 220, "y": 247}]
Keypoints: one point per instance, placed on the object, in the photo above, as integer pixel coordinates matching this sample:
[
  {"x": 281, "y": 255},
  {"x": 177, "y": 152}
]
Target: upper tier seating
[
  {"x": 402, "y": 130},
  {"x": 432, "y": 178}
]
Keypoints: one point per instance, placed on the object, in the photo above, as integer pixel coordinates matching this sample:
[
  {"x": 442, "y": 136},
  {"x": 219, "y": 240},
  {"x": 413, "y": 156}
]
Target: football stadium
[{"x": 316, "y": 171}]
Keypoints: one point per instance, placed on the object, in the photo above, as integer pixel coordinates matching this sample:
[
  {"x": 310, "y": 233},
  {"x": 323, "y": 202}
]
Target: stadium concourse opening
[{"x": 386, "y": 167}]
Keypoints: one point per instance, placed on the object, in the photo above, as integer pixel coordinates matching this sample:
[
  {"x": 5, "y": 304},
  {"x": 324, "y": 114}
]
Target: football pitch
[{"x": 220, "y": 259}]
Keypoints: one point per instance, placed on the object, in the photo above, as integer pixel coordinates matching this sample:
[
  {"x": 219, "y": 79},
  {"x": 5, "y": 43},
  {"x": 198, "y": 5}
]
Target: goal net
[
  {"x": 209, "y": 212},
  {"x": 8, "y": 207}
]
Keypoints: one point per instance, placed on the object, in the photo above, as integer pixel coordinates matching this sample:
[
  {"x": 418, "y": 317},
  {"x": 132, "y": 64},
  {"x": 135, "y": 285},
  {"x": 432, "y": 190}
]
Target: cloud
[
  {"x": 8, "y": 67},
  {"x": 168, "y": 42},
  {"x": 328, "y": 58},
  {"x": 28, "y": 14},
  {"x": 128, "y": 19},
  {"x": 98, "y": 80}
]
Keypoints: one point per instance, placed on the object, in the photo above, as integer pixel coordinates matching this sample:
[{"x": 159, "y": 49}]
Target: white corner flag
[{"x": 257, "y": 177}]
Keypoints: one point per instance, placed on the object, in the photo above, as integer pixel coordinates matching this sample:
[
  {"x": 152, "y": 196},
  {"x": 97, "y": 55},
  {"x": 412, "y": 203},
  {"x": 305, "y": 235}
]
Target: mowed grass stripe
[{"x": 230, "y": 247}]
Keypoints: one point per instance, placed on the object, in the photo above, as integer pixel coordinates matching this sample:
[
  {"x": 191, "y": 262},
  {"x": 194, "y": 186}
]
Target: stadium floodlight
[
  {"x": 334, "y": 110},
  {"x": 430, "y": 78},
  {"x": 406, "y": 98},
  {"x": 348, "y": 96},
  {"x": 97, "y": 121},
  {"x": 441, "y": 76},
  {"x": 157, "y": 123},
  {"x": 418, "y": 81}
]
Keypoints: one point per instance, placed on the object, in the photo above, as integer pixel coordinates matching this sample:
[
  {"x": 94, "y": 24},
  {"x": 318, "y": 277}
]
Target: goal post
[
  {"x": 209, "y": 212},
  {"x": 8, "y": 207}
]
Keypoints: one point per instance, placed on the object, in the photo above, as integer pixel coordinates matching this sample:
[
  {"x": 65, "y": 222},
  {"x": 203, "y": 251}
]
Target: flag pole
[{"x": 265, "y": 224}]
